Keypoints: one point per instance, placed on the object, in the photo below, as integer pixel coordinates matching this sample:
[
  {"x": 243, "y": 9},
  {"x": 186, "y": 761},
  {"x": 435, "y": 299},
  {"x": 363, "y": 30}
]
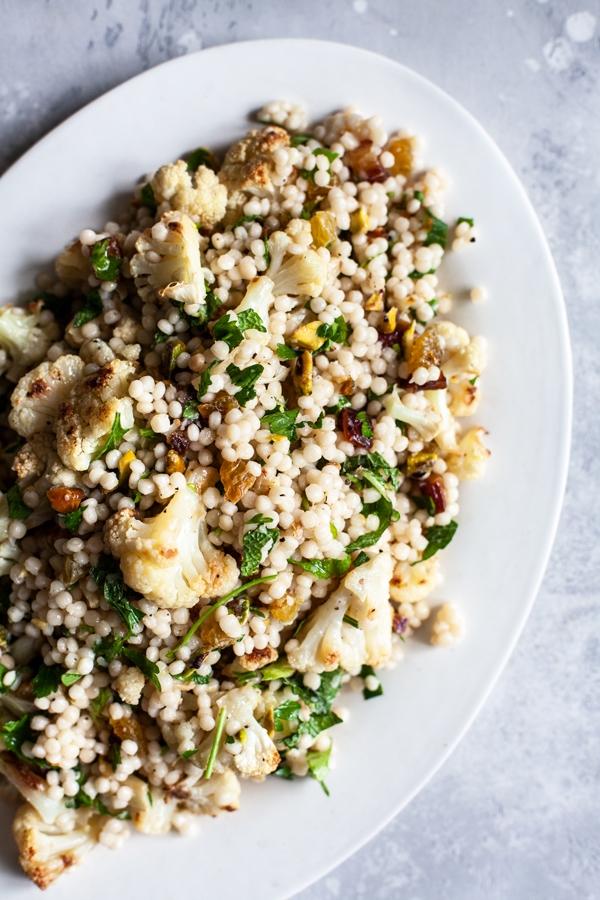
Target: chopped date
[
  {"x": 364, "y": 163},
  {"x": 434, "y": 488},
  {"x": 354, "y": 429},
  {"x": 394, "y": 337},
  {"x": 378, "y": 232},
  {"x": 179, "y": 441},
  {"x": 399, "y": 623},
  {"x": 407, "y": 385}
]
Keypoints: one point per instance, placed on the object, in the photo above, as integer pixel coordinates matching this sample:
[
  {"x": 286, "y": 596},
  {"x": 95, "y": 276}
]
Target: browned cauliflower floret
[
  {"x": 46, "y": 850},
  {"x": 130, "y": 684},
  {"x": 38, "y": 395},
  {"x": 196, "y": 193},
  {"x": 72, "y": 267},
  {"x": 38, "y": 459},
  {"x": 464, "y": 397},
  {"x": 169, "y": 558},
  {"x": 151, "y": 809},
  {"x": 221, "y": 793},
  {"x": 410, "y": 584},
  {"x": 249, "y": 166},
  {"x": 96, "y": 351},
  {"x": 84, "y": 421},
  {"x": 23, "y": 338}
]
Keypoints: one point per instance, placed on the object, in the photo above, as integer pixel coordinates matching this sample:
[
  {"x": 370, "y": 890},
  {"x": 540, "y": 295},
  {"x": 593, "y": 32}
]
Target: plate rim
[{"x": 563, "y": 448}]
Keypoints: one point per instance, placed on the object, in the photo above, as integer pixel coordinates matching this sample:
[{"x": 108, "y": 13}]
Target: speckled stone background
[{"x": 515, "y": 813}]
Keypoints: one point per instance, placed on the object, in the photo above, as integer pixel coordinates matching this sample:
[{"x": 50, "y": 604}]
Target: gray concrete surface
[{"x": 515, "y": 813}]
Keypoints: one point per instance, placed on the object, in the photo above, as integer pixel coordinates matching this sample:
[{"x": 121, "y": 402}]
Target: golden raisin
[
  {"x": 285, "y": 609},
  {"x": 65, "y": 500},
  {"x": 174, "y": 463},
  {"x": 222, "y": 403},
  {"x": 213, "y": 636},
  {"x": 127, "y": 728},
  {"x": 236, "y": 479},
  {"x": 359, "y": 221},
  {"x": 401, "y": 150},
  {"x": 347, "y": 387}
]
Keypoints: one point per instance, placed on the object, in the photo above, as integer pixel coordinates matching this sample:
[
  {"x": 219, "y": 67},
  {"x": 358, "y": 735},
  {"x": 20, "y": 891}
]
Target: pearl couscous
[{"x": 232, "y": 450}]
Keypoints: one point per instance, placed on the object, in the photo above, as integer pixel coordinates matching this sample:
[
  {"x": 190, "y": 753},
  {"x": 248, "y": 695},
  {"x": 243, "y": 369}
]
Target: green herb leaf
[
  {"x": 70, "y": 678},
  {"x": 141, "y": 661},
  {"x": 71, "y": 521},
  {"x": 341, "y": 404},
  {"x": 200, "y": 157},
  {"x": 286, "y": 711},
  {"x": 192, "y": 675},
  {"x": 160, "y": 337},
  {"x": 473, "y": 380},
  {"x": 336, "y": 333},
  {"x": 375, "y": 463},
  {"x": 384, "y": 510},
  {"x": 368, "y": 694},
  {"x": 267, "y": 254},
  {"x": 47, "y": 680},
  {"x": 438, "y": 536},
  {"x": 425, "y": 502},
  {"x": 16, "y": 733},
  {"x": 56, "y": 305},
  {"x": 283, "y": 771},
  {"x": 324, "y": 568},
  {"x": 114, "y": 438},
  {"x": 107, "y": 575},
  {"x": 249, "y": 318},
  {"x": 438, "y": 232},
  {"x": 361, "y": 559},
  {"x": 282, "y": 422},
  {"x": 190, "y": 410},
  {"x": 245, "y": 379},
  {"x": 148, "y": 199},
  {"x": 309, "y": 174},
  {"x": 187, "y": 754},
  {"x": 418, "y": 195},
  {"x": 284, "y": 352},
  {"x": 97, "y": 705},
  {"x": 254, "y": 543},
  {"x": 468, "y": 221},
  {"x": 205, "y": 381},
  {"x": 106, "y": 266},
  {"x": 300, "y": 138},
  {"x": 365, "y": 427},
  {"x": 317, "y": 723},
  {"x": 104, "y": 811},
  {"x": 318, "y": 765},
  {"x": 16, "y": 507},
  {"x": 350, "y": 621},
  {"x": 109, "y": 647},
  {"x": 93, "y": 308},
  {"x": 149, "y": 434},
  {"x": 366, "y": 262},
  {"x": 243, "y": 219}
]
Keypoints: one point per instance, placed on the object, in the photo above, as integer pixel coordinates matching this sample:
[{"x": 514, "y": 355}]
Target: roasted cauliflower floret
[
  {"x": 84, "y": 421},
  {"x": 248, "y": 165},
  {"x": 427, "y": 422},
  {"x": 258, "y": 755},
  {"x": 221, "y": 793},
  {"x": 46, "y": 851},
  {"x": 170, "y": 267},
  {"x": 72, "y": 267},
  {"x": 169, "y": 558},
  {"x": 38, "y": 395},
  {"x": 410, "y": 584},
  {"x": 327, "y": 642},
  {"x": 449, "y": 626},
  {"x": 464, "y": 397},
  {"x": 22, "y": 336},
  {"x": 469, "y": 360},
  {"x": 469, "y": 460},
  {"x": 38, "y": 463},
  {"x": 198, "y": 194},
  {"x": 130, "y": 684},
  {"x": 151, "y": 809},
  {"x": 97, "y": 352}
]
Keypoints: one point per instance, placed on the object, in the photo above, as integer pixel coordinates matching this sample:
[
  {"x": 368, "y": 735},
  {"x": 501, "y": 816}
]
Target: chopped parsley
[
  {"x": 232, "y": 330},
  {"x": 438, "y": 536},
  {"x": 339, "y": 406},
  {"x": 300, "y": 138},
  {"x": 107, "y": 575},
  {"x": 205, "y": 381},
  {"x": 284, "y": 352},
  {"x": 243, "y": 219},
  {"x": 71, "y": 521},
  {"x": 114, "y": 438},
  {"x": 324, "y": 568},
  {"x": 16, "y": 733},
  {"x": 365, "y": 427},
  {"x": 92, "y": 308},
  {"x": 200, "y": 157},
  {"x": 385, "y": 512},
  {"x": 47, "y": 680},
  {"x": 318, "y": 765},
  {"x": 97, "y": 705},
  {"x": 106, "y": 266},
  {"x": 190, "y": 410},
  {"x": 245, "y": 379},
  {"x": 469, "y": 222},
  {"x": 368, "y": 694},
  {"x": 282, "y": 422},
  {"x": 16, "y": 507},
  {"x": 70, "y": 678},
  {"x": 336, "y": 333},
  {"x": 148, "y": 199},
  {"x": 309, "y": 174},
  {"x": 438, "y": 232}
]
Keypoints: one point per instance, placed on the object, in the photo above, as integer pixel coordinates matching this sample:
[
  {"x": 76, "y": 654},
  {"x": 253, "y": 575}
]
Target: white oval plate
[{"x": 287, "y": 835}]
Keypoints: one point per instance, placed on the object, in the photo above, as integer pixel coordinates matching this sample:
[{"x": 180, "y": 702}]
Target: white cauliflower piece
[
  {"x": 304, "y": 274},
  {"x": 72, "y": 267},
  {"x": 469, "y": 360},
  {"x": 469, "y": 460},
  {"x": 327, "y": 642},
  {"x": 151, "y": 809},
  {"x": 449, "y": 626},
  {"x": 171, "y": 267},
  {"x": 452, "y": 337},
  {"x": 22, "y": 336},
  {"x": 38, "y": 463},
  {"x": 446, "y": 435},
  {"x": 198, "y": 194},
  {"x": 258, "y": 756},
  {"x": 410, "y": 584},
  {"x": 169, "y": 558},
  {"x": 38, "y": 395},
  {"x": 83, "y": 422},
  {"x": 219, "y": 794},
  {"x": 46, "y": 851},
  {"x": 427, "y": 422},
  {"x": 10, "y": 553},
  {"x": 464, "y": 397},
  {"x": 130, "y": 684}
]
